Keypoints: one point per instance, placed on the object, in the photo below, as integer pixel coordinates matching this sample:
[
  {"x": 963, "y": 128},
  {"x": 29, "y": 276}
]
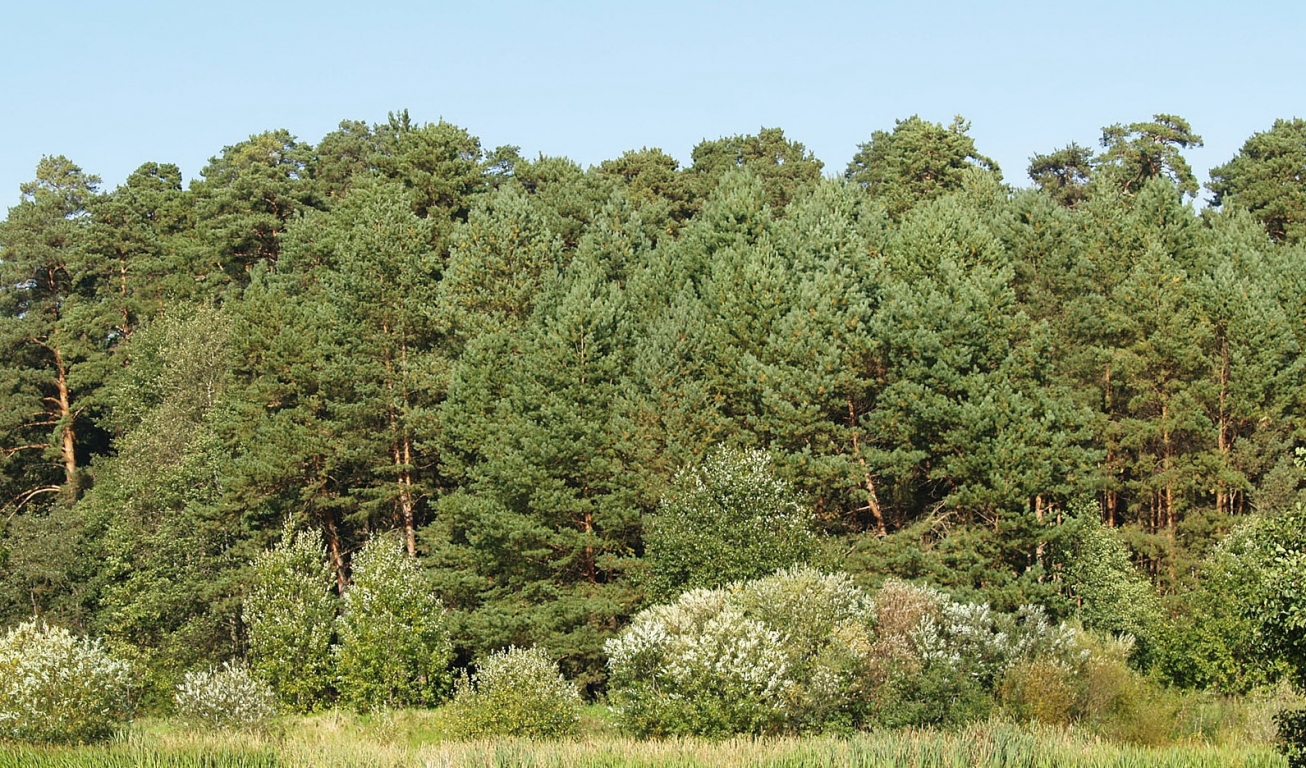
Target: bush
[
  {"x": 1111, "y": 593},
  {"x": 1040, "y": 690},
  {"x": 803, "y": 651},
  {"x": 517, "y": 692},
  {"x": 783, "y": 653},
  {"x": 394, "y": 646},
  {"x": 288, "y": 617},
  {"x": 726, "y": 520},
  {"x": 55, "y": 687},
  {"x": 225, "y": 697},
  {"x": 1292, "y": 736}
]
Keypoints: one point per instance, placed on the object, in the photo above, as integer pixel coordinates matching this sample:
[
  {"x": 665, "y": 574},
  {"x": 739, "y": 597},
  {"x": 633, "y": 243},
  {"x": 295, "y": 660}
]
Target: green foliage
[
  {"x": 1267, "y": 559},
  {"x": 289, "y": 613},
  {"x": 1268, "y": 178},
  {"x": 56, "y": 687},
  {"x": 726, "y": 519},
  {"x": 1133, "y": 154},
  {"x": 516, "y": 692},
  {"x": 508, "y": 361},
  {"x": 52, "y": 333},
  {"x": 1292, "y": 736},
  {"x": 1109, "y": 592},
  {"x": 172, "y": 561},
  {"x": 394, "y": 648},
  {"x": 1096, "y": 689},
  {"x": 917, "y": 162},
  {"x": 786, "y": 168},
  {"x": 1063, "y": 174},
  {"x": 225, "y": 697},
  {"x": 247, "y": 196}
]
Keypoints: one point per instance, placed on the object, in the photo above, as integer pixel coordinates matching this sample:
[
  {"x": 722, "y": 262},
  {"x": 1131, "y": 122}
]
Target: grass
[
  {"x": 417, "y": 739},
  {"x": 1192, "y": 731}
]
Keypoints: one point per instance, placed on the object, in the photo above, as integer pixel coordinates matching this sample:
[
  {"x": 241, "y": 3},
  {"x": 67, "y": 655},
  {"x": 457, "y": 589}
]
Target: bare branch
[{"x": 22, "y": 499}]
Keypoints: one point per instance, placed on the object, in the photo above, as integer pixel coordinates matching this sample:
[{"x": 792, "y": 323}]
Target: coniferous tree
[
  {"x": 52, "y": 333},
  {"x": 533, "y": 548},
  {"x": 1268, "y": 178},
  {"x": 916, "y": 162}
]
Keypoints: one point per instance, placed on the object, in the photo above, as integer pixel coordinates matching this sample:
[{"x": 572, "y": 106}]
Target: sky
[{"x": 112, "y": 85}]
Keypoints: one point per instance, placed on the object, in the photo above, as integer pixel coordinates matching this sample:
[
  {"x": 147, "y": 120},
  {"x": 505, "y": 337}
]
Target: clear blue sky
[{"x": 115, "y": 84}]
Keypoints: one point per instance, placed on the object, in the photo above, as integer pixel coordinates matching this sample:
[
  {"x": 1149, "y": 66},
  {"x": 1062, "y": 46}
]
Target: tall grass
[
  {"x": 989, "y": 746},
  {"x": 339, "y": 741}
]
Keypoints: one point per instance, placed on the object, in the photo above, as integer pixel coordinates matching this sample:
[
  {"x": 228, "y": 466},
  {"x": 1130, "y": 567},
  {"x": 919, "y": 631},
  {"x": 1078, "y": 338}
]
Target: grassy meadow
[{"x": 1200, "y": 732}]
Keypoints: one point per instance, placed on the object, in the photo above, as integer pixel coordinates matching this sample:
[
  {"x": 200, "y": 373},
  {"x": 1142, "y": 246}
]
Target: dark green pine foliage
[
  {"x": 348, "y": 154},
  {"x": 1254, "y": 405},
  {"x": 916, "y": 162},
  {"x": 704, "y": 304},
  {"x": 1268, "y": 178},
  {"x": 969, "y": 414},
  {"x": 785, "y": 168},
  {"x": 282, "y": 449},
  {"x": 655, "y": 182},
  {"x": 52, "y": 333},
  {"x": 371, "y": 268},
  {"x": 443, "y": 166},
  {"x": 532, "y": 548},
  {"x": 244, "y": 204},
  {"x": 498, "y": 261},
  {"x": 1156, "y": 354},
  {"x": 56, "y": 339},
  {"x": 819, "y": 366},
  {"x": 141, "y": 236},
  {"x": 568, "y": 196},
  {"x": 1132, "y": 154},
  {"x": 971, "y": 431},
  {"x": 1064, "y": 174}
]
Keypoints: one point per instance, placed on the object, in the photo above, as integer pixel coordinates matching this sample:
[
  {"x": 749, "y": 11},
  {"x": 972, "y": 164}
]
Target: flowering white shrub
[
  {"x": 987, "y": 642},
  {"x": 944, "y": 666},
  {"x": 55, "y": 687},
  {"x": 802, "y": 650},
  {"x": 225, "y": 697},
  {"x": 517, "y": 692},
  {"x": 288, "y": 615},
  {"x": 774, "y": 654},
  {"x": 394, "y": 648}
]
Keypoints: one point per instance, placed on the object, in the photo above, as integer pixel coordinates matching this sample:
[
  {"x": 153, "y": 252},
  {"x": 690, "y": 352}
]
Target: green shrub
[
  {"x": 728, "y": 519},
  {"x": 225, "y": 697},
  {"x": 394, "y": 648},
  {"x": 1291, "y": 740},
  {"x": 288, "y": 617},
  {"x": 803, "y": 651},
  {"x": 1040, "y": 690},
  {"x": 1111, "y": 593},
  {"x": 516, "y": 692},
  {"x": 55, "y": 687},
  {"x": 783, "y": 653}
]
